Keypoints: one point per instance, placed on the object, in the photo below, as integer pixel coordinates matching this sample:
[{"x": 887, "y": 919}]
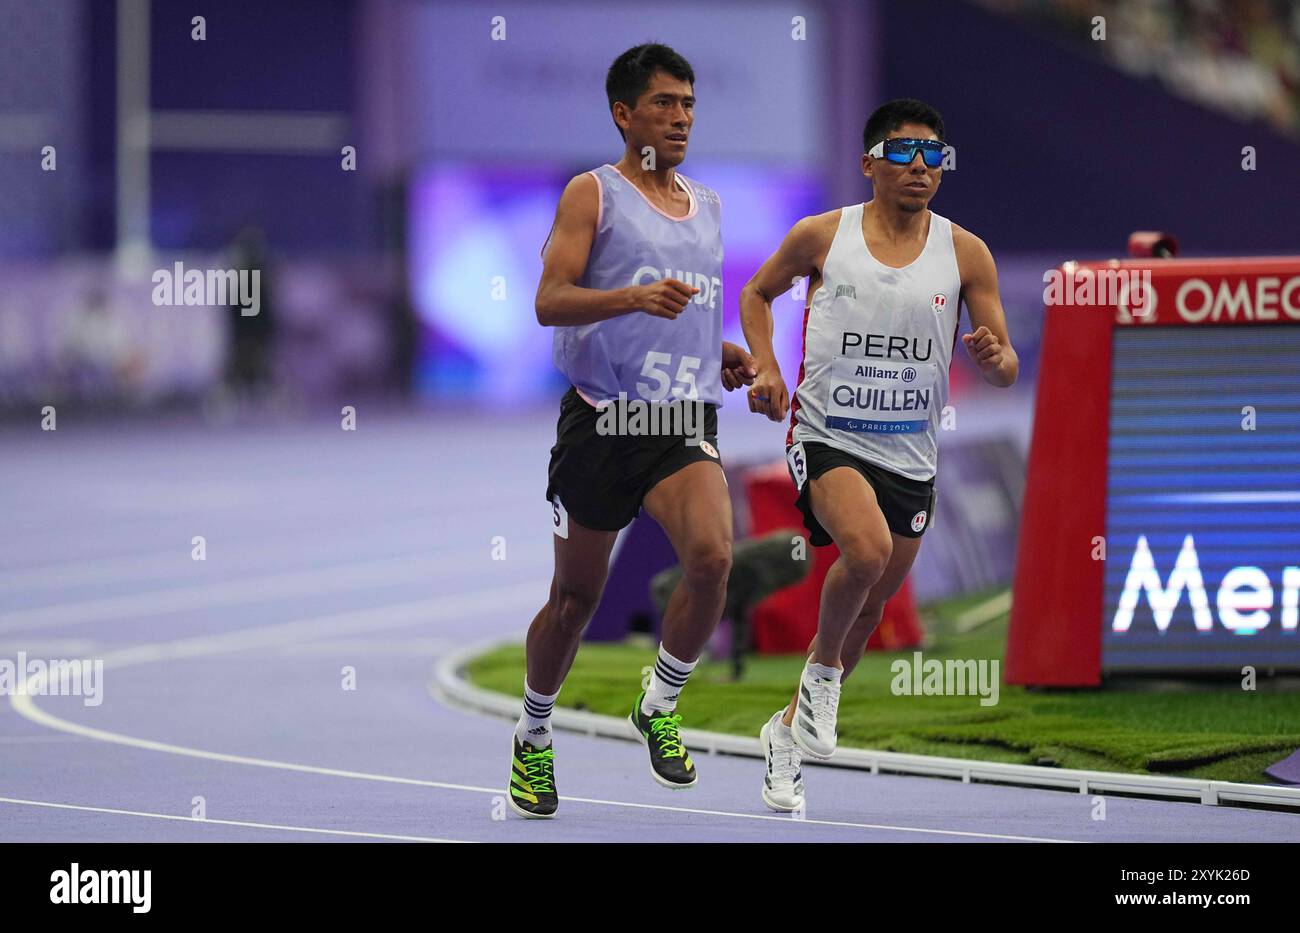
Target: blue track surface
[{"x": 370, "y": 550}]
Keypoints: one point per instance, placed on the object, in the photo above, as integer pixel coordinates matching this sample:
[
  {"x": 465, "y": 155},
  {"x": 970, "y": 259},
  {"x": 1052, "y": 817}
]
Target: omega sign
[{"x": 1198, "y": 301}]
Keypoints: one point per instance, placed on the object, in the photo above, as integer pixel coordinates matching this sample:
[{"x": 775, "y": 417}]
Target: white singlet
[{"x": 877, "y": 345}]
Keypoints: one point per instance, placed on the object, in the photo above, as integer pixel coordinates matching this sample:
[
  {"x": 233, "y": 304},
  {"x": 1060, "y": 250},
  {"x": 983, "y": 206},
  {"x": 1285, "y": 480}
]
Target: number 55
[{"x": 685, "y": 387}]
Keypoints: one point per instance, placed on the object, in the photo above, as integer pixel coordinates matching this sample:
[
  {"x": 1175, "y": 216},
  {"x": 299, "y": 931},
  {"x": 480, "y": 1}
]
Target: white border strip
[{"x": 450, "y": 686}]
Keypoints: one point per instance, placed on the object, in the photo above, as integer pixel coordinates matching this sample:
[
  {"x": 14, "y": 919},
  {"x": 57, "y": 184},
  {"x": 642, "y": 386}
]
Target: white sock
[
  {"x": 666, "y": 683},
  {"x": 534, "y": 725},
  {"x": 823, "y": 672},
  {"x": 783, "y": 731}
]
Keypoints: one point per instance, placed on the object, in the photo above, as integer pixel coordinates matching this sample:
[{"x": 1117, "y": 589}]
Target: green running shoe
[
  {"x": 670, "y": 762},
  {"x": 532, "y": 781}
]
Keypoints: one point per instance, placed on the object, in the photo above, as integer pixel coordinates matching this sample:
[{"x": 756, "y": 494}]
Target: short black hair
[
  {"x": 889, "y": 117},
  {"x": 630, "y": 74}
]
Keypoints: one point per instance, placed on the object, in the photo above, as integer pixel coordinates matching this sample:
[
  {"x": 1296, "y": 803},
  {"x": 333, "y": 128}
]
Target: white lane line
[
  {"x": 421, "y": 516},
  {"x": 244, "y": 555},
  {"x": 522, "y": 596},
  {"x": 359, "y": 647},
  {"x": 986, "y": 611},
  {"x": 425, "y": 612},
  {"x": 51, "y": 647},
  {"x": 787, "y": 819},
  {"x": 151, "y": 745},
  {"x": 245, "y": 823},
  {"x": 336, "y": 578}
]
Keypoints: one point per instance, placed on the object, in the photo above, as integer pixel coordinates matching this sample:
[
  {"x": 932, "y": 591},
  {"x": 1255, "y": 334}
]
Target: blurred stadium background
[
  {"x": 392, "y": 170},
  {"x": 409, "y": 280},
  {"x": 383, "y": 278}
]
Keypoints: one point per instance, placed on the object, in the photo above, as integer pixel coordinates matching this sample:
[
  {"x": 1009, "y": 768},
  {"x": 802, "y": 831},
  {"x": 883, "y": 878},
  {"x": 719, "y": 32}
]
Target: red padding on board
[{"x": 786, "y": 621}]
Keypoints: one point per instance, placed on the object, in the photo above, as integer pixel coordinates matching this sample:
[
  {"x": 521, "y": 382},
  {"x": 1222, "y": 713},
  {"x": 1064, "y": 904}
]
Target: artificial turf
[{"x": 1214, "y": 730}]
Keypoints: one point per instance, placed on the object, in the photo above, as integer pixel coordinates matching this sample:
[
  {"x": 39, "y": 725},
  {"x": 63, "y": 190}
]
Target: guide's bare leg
[
  {"x": 694, "y": 509},
  {"x": 581, "y": 566}
]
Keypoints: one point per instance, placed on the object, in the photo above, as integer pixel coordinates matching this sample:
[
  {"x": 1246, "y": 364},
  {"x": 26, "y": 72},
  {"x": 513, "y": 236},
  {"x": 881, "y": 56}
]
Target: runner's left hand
[{"x": 984, "y": 348}]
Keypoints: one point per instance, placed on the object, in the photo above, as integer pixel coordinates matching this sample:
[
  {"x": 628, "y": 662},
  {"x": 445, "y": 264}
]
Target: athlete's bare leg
[
  {"x": 581, "y": 566},
  {"x": 845, "y": 505},
  {"x": 900, "y": 565},
  {"x": 902, "y": 553},
  {"x": 694, "y": 508}
]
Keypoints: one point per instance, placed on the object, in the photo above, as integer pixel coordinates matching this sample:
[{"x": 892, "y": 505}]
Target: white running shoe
[
  {"x": 814, "y": 718},
  {"x": 783, "y": 783}
]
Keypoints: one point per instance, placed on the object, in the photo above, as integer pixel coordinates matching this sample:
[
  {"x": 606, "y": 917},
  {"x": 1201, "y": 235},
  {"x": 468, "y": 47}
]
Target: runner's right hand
[
  {"x": 768, "y": 395},
  {"x": 664, "y": 298}
]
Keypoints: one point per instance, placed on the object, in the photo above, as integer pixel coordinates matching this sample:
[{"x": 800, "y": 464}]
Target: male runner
[
  {"x": 886, "y": 282},
  {"x": 632, "y": 284}
]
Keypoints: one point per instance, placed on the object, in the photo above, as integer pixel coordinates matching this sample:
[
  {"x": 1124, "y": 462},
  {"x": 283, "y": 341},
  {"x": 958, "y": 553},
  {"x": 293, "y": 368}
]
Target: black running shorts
[
  {"x": 908, "y": 504},
  {"x": 600, "y": 479}
]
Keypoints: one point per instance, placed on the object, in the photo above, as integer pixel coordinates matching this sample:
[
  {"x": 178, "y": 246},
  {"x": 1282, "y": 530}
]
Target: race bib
[
  {"x": 872, "y": 397},
  {"x": 559, "y": 517},
  {"x": 798, "y": 464}
]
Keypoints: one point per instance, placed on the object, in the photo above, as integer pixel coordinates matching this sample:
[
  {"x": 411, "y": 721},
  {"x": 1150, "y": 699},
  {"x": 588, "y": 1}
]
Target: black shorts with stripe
[
  {"x": 908, "y": 504},
  {"x": 600, "y": 479}
]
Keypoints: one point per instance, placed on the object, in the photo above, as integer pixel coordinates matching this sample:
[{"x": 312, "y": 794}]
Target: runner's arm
[
  {"x": 561, "y": 301},
  {"x": 797, "y": 256},
  {"x": 989, "y": 345},
  {"x": 794, "y": 258}
]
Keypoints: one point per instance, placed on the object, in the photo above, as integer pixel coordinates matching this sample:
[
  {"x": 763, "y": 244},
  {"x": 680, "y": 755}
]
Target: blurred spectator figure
[
  {"x": 98, "y": 359},
  {"x": 249, "y": 360},
  {"x": 403, "y": 334},
  {"x": 401, "y": 319}
]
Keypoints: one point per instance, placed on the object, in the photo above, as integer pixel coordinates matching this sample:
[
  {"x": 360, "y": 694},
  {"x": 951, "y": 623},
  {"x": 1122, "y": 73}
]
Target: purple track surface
[{"x": 371, "y": 550}]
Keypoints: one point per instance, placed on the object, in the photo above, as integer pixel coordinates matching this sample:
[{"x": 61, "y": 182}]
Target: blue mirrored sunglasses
[{"x": 902, "y": 150}]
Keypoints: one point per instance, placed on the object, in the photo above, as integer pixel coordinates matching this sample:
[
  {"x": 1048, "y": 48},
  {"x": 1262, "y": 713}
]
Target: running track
[{"x": 372, "y": 550}]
